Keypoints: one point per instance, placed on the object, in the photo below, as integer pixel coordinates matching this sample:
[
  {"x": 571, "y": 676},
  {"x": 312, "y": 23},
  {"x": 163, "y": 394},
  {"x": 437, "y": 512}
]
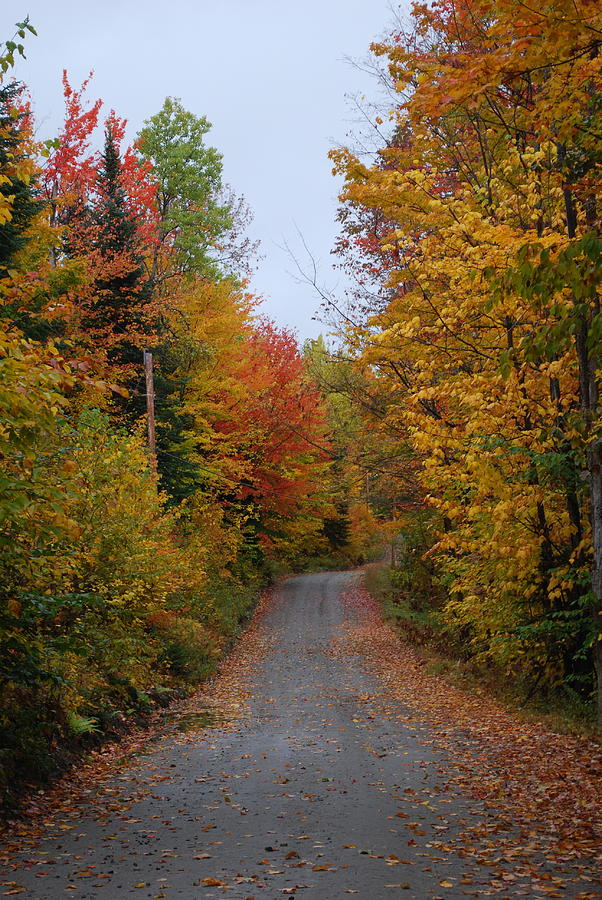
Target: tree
[
  {"x": 117, "y": 310},
  {"x": 485, "y": 333},
  {"x": 188, "y": 177},
  {"x": 69, "y": 172},
  {"x": 17, "y": 186},
  {"x": 110, "y": 588}
]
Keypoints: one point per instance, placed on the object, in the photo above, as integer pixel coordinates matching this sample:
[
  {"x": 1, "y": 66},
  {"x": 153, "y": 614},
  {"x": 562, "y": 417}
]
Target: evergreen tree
[
  {"x": 119, "y": 311},
  {"x": 25, "y": 204},
  {"x": 122, "y": 288}
]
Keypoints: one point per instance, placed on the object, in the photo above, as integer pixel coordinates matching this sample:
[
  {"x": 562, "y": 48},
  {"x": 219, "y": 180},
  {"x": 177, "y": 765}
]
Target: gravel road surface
[{"x": 305, "y": 793}]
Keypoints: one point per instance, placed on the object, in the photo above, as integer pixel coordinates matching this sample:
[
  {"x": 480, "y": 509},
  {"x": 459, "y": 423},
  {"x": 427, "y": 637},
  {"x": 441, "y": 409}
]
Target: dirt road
[{"x": 319, "y": 788}]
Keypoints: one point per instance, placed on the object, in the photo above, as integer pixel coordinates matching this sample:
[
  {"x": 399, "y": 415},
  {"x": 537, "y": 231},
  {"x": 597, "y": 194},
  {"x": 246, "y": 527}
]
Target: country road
[{"x": 317, "y": 788}]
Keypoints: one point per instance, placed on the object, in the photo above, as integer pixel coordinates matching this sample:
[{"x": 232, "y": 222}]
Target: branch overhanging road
[{"x": 298, "y": 773}]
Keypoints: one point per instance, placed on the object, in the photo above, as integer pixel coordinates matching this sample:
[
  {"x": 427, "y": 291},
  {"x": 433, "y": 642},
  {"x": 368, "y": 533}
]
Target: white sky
[{"x": 270, "y": 75}]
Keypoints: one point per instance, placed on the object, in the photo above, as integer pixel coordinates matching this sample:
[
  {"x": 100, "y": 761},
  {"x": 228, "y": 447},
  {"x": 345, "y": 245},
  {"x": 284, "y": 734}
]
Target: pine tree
[
  {"x": 118, "y": 311},
  {"x": 122, "y": 288},
  {"x": 24, "y": 203}
]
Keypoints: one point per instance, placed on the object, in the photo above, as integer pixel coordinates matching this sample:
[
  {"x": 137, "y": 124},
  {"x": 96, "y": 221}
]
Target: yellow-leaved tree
[{"x": 486, "y": 337}]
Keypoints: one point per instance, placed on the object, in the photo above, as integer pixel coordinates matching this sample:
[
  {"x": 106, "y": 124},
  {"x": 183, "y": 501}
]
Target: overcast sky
[{"x": 270, "y": 75}]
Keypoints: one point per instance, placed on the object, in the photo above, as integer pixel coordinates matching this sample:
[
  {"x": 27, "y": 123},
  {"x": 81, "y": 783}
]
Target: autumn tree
[
  {"x": 117, "y": 583},
  {"x": 365, "y": 480},
  {"x": 475, "y": 331},
  {"x": 69, "y": 171}
]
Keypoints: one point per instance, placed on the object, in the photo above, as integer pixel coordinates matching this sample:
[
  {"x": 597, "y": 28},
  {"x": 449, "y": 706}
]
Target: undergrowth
[
  {"x": 115, "y": 682},
  {"x": 416, "y": 617}
]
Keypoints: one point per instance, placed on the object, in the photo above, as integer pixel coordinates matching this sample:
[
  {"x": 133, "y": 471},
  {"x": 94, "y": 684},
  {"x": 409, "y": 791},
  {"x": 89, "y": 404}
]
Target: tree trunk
[
  {"x": 589, "y": 401},
  {"x": 594, "y": 465}
]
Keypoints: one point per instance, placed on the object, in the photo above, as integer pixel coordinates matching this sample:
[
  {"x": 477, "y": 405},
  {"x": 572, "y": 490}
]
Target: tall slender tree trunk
[
  {"x": 589, "y": 395},
  {"x": 594, "y": 465}
]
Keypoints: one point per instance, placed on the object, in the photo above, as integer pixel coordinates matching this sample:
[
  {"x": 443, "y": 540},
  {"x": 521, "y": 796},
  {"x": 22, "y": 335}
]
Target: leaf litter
[{"x": 540, "y": 791}]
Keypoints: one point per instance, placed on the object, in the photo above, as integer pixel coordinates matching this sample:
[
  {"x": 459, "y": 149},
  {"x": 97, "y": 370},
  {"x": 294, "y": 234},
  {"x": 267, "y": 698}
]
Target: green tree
[
  {"x": 189, "y": 180},
  {"x": 118, "y": 308},
  {"x": 16, "y": 183}
]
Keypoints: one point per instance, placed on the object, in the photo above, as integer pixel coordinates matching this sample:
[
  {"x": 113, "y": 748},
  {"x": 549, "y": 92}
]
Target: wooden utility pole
[{"x": 150, "y": 408}]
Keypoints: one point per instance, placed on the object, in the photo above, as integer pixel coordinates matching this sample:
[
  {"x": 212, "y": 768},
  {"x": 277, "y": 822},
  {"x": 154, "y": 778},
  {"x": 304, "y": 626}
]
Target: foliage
[
  {"x": 121, "y": 585},
  {"x": 187, "y": 175},
  {"x": 479, "y": 229},
  {"x": 16, "y": 186},
  {"x": 117, "y": 314}
]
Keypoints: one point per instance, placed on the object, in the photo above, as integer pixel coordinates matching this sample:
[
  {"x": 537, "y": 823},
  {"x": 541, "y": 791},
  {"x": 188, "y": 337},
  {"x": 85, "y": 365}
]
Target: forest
[
  {"x": 475, "y": 240},
  {"x": 451, "y": 420}
]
